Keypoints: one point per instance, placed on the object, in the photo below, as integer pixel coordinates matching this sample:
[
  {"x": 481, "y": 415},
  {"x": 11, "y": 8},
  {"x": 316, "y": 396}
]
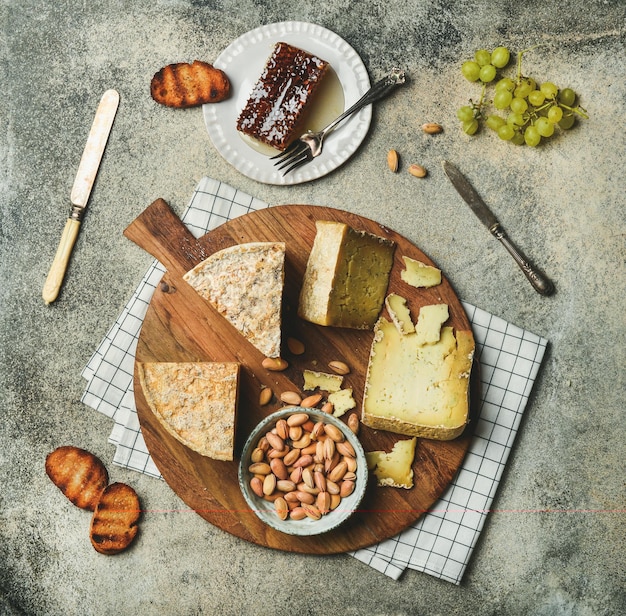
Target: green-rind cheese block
[{"x": 346, "y": 277}]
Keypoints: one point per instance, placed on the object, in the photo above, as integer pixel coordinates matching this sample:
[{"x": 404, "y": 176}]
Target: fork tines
[{"x": 296, "y": 154}]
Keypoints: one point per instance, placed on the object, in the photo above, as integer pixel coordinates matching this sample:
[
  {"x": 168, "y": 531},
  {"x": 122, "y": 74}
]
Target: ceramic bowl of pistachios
[{"x": 303, "y": 471}]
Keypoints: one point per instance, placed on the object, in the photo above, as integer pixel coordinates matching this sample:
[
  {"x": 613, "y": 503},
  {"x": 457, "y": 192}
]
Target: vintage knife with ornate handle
[
  {"x": 537, "y": 279},
  {"x": 85, "y": 177}
]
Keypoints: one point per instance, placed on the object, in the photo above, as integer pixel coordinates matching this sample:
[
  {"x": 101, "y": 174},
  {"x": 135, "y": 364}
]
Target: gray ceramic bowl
[{"x": 265, "y": 510}]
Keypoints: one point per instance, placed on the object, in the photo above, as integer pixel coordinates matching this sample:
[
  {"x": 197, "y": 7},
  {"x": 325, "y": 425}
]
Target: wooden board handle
[
  {"x": 160, "y": 232},
  {"x": 56, "y": 274}
]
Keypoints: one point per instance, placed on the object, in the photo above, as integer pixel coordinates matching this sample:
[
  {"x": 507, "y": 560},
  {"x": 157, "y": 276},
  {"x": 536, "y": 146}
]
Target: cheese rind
[
  {"x": 245, "y": 284},
  {"x": 399, "y": 313},
  {"x": 393, "y": 469},
  {"x": 418, "y": 274},
  {"x": 346, "y": 277},
  {"x": 195, "y": 402},
  {"x": 418, "y": 389}
]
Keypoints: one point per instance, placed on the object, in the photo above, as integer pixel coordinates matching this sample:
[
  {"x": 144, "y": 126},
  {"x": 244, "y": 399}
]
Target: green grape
[
  {"x": 549, "y": 89},
  {"x": 500, "y": 57},
  {"x": 515, "y": 119},
  {"x": 505, "y": 84},
  {"x": 518, "y": 105},
  {"x": 502, "y": 99},
  {"x": 470, "y": 127},
  {"x": 567, "y": 121},
  {"x": 555, "y": 113},
  {"x": 506, "y": 132},
  {"x": 495, "y": 122},
  {"x": 518, "y": 138},
  {"x": 482, "y": 57},
  {"x": 532, "y": 136},
  {"x": 470, "y": 70},
  {"x": 487, "y": 73},
  {"x": 465, "y": 113},
  {"x": 525, "y": 87},
  {"x": 536, "y": 98},
  {"x": 544, "y": 127},
  {"x": 567, "y": 96}
]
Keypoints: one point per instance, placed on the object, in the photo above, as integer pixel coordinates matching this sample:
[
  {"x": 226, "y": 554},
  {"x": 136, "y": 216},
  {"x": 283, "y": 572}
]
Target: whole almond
[
  {"x": 432, "y": 128},
  {"x": 353, "y": 423},
  {"x": 303, "y": 461},
  {"x": 291, "y": 397},
  {"x": 297, "y": 514},
  {"x": 275, "y": 441},
  {"x": 417, "y": 171},
  {"x": 335, "y": 499},
  {"x": 338, "y": 472},
  {"x": 339, "y": 367},
  {"x": 347, "y": 487},
  {"x": 310, "y": 401},
  {"x": 345, "y": 449},
  {"x": 281, "y": 507},
  {"x": 257, "y": 486},
  {"x": 291, "y": 457},
  {"x": 257, "y": 455},
  {"x": 322, "y": 502},
  {"x": 279, "y": 469},
  {"x": 295, "y": 433},
  {"x": 297, "y": 419},
  {"x": 260, "y": 468},
  {"x": 332, "y": 487},
  {"x": 320, "y": 481},
  {"x": 393, "y": 160},
  {"x": 269, "y": 484},
  {"x": 307, "y": 477},
  {"x": 296, "y": 475},
  {"x": 311, "y": 511},
  {"x": 265, "y": 396},
  {"x": 305, "y": 497},
  {"x": 285, "y": 485},
  {"x": 334, "y": 432},
  {"x": 327, "y": 407},
  {"x": 274, "y": 364},
  {"x": 282, "y": 429},
  {"x": 295, "y": 346}
]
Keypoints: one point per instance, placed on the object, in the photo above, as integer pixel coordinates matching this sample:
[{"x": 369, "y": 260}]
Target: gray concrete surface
[{"x": 563, "y": 203}]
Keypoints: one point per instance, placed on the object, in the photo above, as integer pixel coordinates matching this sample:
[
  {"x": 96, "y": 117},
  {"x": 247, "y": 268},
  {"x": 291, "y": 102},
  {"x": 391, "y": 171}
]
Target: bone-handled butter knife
[
  {"x": 537, "y": 279},
  {"x": 85, "y": 177}
]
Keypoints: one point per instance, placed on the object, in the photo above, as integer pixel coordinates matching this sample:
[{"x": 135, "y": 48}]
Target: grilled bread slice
[
  {"x": 185, "y": 85},
  {"x": 79, "y": 474},
  {"x": 114, "y": 524}
]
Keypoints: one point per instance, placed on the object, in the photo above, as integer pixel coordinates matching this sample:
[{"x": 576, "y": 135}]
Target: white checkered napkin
[{"x": 441, "y": 542}]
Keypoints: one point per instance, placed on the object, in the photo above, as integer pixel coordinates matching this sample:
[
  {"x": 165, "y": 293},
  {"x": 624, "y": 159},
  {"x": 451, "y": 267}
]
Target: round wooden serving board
[{"x": 181, "y": 326}]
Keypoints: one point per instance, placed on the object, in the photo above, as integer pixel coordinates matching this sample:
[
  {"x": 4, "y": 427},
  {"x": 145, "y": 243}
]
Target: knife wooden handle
[
  {"x": 537, "y": 279},
  {"x": 56, "y": 274}
]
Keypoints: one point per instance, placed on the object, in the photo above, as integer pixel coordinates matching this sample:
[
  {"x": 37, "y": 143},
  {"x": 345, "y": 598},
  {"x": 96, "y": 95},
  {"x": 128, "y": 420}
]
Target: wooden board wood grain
[{"x": 181, "y": 326}]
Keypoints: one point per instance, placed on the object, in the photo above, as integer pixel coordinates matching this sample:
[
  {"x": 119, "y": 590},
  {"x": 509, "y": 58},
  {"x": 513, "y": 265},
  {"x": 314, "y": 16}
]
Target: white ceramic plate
[{"x": 243, "y": 61}]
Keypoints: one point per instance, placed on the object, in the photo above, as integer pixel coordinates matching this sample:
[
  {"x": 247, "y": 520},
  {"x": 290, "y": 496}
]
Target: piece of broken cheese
[
  {"x": 394, "y": 468},
  {"x": 399, "y": 313},
  {"x": 429, "y": 322},
  {"x": 346, "y": 277},
  {"x": 245, "y": 284},
  {"x": 418, "y": 383},
  {"x": 342, "y": 401},
  {"x": 196, "y": 402},
  {"x": 321, "y": 380},
  {"x": 418, "y": 274}
]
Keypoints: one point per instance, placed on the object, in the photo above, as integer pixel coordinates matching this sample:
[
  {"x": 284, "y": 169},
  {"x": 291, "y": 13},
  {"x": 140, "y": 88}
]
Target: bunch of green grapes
[{"x": 531, "y": 111}]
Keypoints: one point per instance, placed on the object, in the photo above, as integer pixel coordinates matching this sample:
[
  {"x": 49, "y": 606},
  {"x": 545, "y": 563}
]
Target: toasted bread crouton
[
  {"x": 188, "y": 85},
  {"x": 80, "y": 475},
  {"x": 114, "y": 524}
]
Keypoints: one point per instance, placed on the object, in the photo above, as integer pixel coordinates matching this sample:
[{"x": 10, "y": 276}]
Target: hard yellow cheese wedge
[
  {"x": 418, "y": 388},
  {"x": 346, "y": 277}
]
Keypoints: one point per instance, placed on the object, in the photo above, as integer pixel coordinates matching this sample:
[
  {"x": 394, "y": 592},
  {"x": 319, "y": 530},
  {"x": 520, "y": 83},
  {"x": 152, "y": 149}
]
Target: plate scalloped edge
[{"x": 220, "y": 119}]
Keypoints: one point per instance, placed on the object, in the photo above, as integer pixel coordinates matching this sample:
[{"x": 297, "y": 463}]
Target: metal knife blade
[
  {"x": 537, "y": 279},
  {"x": 83, "y": 183}
]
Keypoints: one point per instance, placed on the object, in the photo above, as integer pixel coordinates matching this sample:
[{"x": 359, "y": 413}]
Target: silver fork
[{"x": 309, "y": 145}]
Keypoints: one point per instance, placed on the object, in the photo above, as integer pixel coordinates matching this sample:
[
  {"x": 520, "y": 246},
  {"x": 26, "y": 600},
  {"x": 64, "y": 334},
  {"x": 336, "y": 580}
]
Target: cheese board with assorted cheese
[{"x": 345, "y": 361}]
